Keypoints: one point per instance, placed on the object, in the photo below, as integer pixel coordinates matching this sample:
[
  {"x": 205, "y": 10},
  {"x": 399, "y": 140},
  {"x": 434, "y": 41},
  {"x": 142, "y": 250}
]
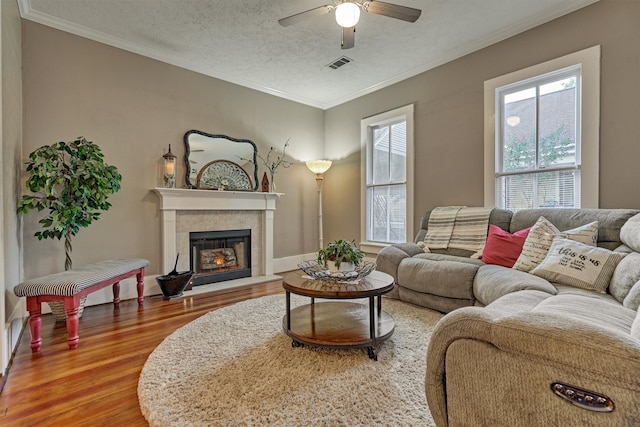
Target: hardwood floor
[{"x": 96, "y": 384}]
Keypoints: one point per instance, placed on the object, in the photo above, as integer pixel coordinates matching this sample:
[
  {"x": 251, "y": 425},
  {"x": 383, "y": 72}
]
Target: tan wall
[
  {"x": 449, "y": 116},
  {"x": 133, "y": 107},
  {"x": 10, "y": 159}
]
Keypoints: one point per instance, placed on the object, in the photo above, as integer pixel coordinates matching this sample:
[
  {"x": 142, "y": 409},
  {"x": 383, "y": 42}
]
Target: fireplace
[
  {"x": 216, "y": 256},
  {"x": 184, "y": 210}
]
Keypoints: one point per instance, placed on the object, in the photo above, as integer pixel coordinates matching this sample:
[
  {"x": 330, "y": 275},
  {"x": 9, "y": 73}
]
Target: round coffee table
[{"x": 338, "y": 324}]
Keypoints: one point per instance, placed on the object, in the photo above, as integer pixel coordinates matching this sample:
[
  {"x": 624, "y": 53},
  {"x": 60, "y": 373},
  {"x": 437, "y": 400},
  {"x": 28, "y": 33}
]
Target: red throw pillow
[{"x": 502, "y": 247}]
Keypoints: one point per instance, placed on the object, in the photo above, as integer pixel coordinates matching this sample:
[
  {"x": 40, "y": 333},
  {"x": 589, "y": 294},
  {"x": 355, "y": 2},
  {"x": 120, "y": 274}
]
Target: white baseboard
[
  {"x": 11, "y": 334},
  {"x": 281, "y": 265}
]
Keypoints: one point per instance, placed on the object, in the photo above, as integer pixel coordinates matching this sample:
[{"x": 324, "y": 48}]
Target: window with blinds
[
  {"x": 387, "y": 183},
  {"x": 539, "y": 142}
]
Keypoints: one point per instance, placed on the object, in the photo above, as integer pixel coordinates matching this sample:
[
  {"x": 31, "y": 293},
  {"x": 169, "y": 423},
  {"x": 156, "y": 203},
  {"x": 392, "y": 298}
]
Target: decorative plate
[
  {"x": 223, "y": 174},
  {"x": 318, "y": 272}
]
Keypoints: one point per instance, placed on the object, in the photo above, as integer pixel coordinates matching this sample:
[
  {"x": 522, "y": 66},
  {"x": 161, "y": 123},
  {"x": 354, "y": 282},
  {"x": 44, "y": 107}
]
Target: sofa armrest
[
  {"x": 553, "y": 343},
  {"x": 390, "y": 257}
]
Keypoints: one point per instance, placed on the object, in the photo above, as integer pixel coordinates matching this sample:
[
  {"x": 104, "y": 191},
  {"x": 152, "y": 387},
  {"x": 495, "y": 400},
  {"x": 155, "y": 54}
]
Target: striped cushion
[{"x": 71, "y": 282}]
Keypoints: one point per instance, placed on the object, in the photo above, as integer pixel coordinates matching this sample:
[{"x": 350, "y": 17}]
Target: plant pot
[
  {"x": 172, "y": 285},
  {"x": 344, "y": 266},
  {"x": 57, "y": 308}
]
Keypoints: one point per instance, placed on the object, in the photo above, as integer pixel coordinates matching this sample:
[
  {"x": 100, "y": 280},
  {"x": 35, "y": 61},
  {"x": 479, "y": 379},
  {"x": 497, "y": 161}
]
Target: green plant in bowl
[{"x": 340, "y": 251}]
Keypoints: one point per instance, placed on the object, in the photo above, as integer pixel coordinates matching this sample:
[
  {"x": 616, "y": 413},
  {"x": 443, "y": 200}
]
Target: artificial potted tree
[
  {"x": 71, "y": 181},
  {"x": 344, "y": 255}
]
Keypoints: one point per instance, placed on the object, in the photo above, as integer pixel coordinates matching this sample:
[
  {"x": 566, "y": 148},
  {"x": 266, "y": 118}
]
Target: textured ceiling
[{"x": 240, "y": 41}]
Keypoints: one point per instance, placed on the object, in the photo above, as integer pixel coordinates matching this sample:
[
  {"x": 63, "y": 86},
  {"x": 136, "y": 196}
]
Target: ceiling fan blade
[
  {"x": 404, "y": 13},
  {"x": 299, "y": 17},
  {"x": 348, "y": 37}
]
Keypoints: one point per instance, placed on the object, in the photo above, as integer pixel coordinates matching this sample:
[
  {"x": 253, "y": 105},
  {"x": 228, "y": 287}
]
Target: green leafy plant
[
  {"x": 72, "y": 182},
  {"x": 340, "y": 251}
]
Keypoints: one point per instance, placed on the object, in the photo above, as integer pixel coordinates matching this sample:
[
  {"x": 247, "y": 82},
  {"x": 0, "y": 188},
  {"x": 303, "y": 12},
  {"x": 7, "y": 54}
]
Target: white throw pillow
[
  {"x": 579, "y": 265},
  {"x": 540, "y": 237}
]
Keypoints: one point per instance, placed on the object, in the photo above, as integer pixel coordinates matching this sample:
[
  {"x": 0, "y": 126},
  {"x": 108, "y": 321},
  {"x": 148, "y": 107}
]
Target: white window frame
[
  {"x": 403, "y": 113},
  {"x": 589, "y": 61}
]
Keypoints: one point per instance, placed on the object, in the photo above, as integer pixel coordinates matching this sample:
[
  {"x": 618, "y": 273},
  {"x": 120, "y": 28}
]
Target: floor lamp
[{"x": 319, "y": 167}]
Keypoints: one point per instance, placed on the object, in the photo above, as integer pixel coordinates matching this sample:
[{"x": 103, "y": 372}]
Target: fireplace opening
[{"x": 216, "y": 256}]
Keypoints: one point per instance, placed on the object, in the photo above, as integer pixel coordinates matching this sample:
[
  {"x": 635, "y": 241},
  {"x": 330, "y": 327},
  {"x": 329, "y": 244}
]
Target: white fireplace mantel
[{"x": 177, "y": 199}]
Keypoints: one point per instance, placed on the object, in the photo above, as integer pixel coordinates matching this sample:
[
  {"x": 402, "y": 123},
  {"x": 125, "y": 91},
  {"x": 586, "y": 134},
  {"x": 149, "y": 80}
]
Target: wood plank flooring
[{"x": 96, "y": 384}]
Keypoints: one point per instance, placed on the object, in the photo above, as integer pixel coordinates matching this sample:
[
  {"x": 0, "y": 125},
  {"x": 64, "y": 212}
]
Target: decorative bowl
[{"x": 319, "y": 272}]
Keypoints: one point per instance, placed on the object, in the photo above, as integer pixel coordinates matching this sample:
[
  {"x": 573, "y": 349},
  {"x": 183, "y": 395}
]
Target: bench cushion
[{"x": 71, "y": 282}]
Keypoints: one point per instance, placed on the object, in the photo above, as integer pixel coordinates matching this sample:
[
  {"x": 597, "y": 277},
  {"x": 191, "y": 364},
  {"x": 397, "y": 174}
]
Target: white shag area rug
[{"x": 236, "y": 367}]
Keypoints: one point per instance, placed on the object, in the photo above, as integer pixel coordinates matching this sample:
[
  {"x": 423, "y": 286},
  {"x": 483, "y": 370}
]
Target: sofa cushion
[
  {"x": 503, "y": 248},
  {"x": 572, "y": 291},
  {"x": 630, "y": 233},
  {"x": 579, "y": 265},
  {"x": 627, "y": 273},
  {"x": 602, "y": 312},
  {"x": 635, "y": 327},
  {"x": 494, "y": 281},
  {"x": 632, "y": 300},
  {"x": 541, "y": 235},
  {"x": 441, "y": 275}
]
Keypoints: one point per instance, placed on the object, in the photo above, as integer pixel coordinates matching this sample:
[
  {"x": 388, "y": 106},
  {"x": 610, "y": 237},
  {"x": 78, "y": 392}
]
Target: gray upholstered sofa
[
  {"x": 530, "y": 351},
  {"x": 447, "y": 279}
]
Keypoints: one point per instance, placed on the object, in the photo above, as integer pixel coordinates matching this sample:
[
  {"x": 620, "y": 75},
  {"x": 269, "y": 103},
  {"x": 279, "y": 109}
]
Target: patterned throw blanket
[{"x": 457, "y": 227}]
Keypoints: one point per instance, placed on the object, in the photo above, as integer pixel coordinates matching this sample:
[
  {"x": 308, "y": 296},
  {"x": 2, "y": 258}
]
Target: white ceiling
[{"x": 240, "y": 41}]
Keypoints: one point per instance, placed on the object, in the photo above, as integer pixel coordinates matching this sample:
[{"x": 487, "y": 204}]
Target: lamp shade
[
  {"x": 347, "y": 14},
  {"x": 319, "y": 166}
]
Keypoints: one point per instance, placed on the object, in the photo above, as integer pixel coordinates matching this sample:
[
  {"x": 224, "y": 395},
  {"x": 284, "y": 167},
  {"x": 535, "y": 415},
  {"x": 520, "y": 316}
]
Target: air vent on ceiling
[{"x": 343, "y": 60}]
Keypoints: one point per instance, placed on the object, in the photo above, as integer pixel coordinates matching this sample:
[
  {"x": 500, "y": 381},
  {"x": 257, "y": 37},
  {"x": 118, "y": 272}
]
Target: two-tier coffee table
[{"x": 338, "y": 324}]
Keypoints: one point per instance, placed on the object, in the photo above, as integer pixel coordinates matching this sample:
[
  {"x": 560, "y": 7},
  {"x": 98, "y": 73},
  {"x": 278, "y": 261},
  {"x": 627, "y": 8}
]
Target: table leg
[
  {"x": 372, "y": 320},
  {"x": 372, "y": 328},
  {"x": 116, "y": 294},
  {"x": 72, "y": 327},
  {"x": 35, "y": 326},
  {"x": 140, "y": 286},
  {"x": 288, "y": 298},
  {"x": 34, "y": 306}
]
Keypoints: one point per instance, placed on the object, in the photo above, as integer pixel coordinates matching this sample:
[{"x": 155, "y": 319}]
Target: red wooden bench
[{"x": 70, "y": 286}]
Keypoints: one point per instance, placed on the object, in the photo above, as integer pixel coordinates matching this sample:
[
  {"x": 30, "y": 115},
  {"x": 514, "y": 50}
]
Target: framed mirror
[{"x": 220, "y": 161}]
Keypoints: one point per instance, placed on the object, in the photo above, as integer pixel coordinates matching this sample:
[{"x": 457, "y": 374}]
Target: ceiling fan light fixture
[{"x": 347, "y": 14}]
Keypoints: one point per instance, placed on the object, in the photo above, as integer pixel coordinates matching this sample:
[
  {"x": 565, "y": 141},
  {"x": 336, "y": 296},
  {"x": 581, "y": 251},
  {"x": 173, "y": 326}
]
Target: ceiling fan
[{"x": 348, "y": 14}]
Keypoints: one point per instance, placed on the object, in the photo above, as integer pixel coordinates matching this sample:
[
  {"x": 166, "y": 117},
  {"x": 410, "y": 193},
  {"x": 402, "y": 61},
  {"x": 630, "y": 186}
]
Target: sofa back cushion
[
  {"x": 632, "y": 300},
  {"x": 625, "y": 277},
  {"x": 610, "y": 221}
]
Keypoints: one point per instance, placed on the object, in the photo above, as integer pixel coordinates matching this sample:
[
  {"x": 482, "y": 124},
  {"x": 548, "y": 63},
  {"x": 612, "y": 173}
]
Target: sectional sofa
[{"x": 542, "y": 344}]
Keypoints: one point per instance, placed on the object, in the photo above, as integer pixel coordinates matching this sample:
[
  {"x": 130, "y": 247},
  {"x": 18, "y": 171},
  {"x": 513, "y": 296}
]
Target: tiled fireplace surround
[{"x": 186, "y": 210}]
